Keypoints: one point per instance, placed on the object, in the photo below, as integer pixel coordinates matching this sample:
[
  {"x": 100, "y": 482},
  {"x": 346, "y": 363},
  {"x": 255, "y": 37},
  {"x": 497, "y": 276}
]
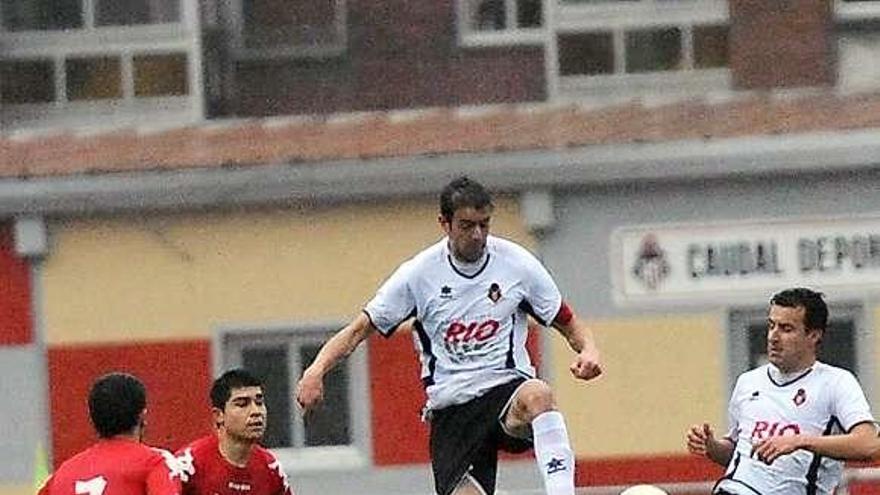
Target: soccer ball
[{"x": 643, "y": 490}]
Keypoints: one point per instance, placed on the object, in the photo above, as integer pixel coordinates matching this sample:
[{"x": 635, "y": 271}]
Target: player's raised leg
[{"x": 533, "y": 405}]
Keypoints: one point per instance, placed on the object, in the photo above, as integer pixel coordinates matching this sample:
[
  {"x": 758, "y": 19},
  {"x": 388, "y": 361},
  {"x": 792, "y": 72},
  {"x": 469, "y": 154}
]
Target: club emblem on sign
[{"x": 651, "y": 266}]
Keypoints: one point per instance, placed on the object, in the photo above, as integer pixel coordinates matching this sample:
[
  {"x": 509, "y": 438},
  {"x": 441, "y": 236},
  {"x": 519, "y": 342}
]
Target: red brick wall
[
  {"x": 400, "y": 55},
  {"x": 781, "y": 43}
]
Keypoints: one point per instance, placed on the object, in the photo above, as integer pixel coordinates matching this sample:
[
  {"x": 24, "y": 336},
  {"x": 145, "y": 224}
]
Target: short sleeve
[
  {"x": 543, "y": 298},
  {"x": 733, "y": 413},
  {"x": 281, "y": 480},
  {"x": 164, "y": 477},
  {"x": 393, "y": 302},
  {"x": 850, "y": 405}
]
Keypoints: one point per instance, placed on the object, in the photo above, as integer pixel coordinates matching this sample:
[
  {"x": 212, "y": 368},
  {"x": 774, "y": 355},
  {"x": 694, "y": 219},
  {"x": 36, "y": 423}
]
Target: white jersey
[
  {"x": 470, "y": 330},
  {"x": 824, "y": 400}
]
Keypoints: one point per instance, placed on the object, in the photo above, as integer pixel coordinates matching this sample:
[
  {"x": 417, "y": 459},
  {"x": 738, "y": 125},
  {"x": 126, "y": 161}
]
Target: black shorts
[{"x": 466, "y": 438}]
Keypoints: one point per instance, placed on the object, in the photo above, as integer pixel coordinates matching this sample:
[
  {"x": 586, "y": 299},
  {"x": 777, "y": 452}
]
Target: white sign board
[{"x": 710, "y": 261}]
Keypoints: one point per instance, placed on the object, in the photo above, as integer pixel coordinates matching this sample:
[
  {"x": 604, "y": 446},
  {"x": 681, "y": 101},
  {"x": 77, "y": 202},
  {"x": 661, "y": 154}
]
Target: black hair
[
  {"x": 463, "y": 192},
  {"x": 222, "y": 388},
  {"x": 115, "y": 404},
  {"x": 815, "y": 309}
]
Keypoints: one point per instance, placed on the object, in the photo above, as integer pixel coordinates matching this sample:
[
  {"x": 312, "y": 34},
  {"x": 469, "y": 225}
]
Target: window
[
  {"x": 102, "y": 63},
  {"x": 642, "y": 50},
  {"x": 626, "y": 47},
  {"x": 94, "y": 78},
  {"x": 133, "y": 12},
  {"x": 26, "y": 81},
  {"x": 160, "y": 75},
  {"x": 272, "y": 28},
  {"x": 53, "y": 15},
  {"x": 337, "y": 428},
  {"x": 845, "y": 345},
  {"x": 483, "y": 22},
  {"x": 41, "y": 15}
]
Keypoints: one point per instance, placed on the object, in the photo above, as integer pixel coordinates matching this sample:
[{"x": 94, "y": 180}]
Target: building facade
[{"x": 188, "y": 187}]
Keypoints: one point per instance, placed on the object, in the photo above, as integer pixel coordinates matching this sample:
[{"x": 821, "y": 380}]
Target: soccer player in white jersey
[
  {"x": 469, "y": 296},
  {"x": 794, "y": 420}
]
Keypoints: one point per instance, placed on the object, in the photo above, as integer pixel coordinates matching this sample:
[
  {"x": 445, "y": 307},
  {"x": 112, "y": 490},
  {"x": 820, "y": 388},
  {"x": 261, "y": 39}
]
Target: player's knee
[{"x": 535, "y": 397}]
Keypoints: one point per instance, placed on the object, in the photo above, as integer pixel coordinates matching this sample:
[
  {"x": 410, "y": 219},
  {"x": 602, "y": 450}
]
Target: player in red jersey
[
  {"x": 118, "y": 464},
  {"x": 232, "y": 462}
]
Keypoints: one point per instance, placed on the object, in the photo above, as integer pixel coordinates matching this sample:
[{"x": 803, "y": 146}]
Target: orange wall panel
[
  {"x": 15, "y": 293},
  {"x": 176, "y": 374},
  {"x": 645, "y": 469},
  {"x": 397, "y": 397}
]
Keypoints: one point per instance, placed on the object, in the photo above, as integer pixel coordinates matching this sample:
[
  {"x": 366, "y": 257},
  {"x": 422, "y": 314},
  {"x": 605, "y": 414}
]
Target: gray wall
[{"x": 577, "y": 250}]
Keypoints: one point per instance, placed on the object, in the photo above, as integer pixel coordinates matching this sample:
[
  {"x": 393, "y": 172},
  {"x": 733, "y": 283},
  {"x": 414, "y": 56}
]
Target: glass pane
[
  {"x": 330, "y": 423},
  {"x": 710, "y": 46},
  {"x": 528, "y": 13},
  {"x": 270, "y": 364},
  {"x": 133, "y": 12},
  {"x": 93, "y": 78},
  {"x": 488, "y": 15},
  {"x": 41, "y": 15},
  {"x": 838, "y": 348},
  {"x": 586, "y": 54},
  {"x": 282, "y": 23},
  {"x": 160, "y": 75},
  {"x": 653, "y": 50},
  {"x": 27, "y": 81}
]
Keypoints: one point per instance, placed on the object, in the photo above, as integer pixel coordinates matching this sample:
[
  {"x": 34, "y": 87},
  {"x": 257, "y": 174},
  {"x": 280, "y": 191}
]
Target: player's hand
[
  {"x": 309, "y": 391},
  {"x": 769, "y": 449},
  {"x": 586, "y": 365},
  {"x": 699, "y": 437}
]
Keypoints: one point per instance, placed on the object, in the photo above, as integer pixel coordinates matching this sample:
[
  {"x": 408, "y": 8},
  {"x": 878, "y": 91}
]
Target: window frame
[
  {"x": 618, "y": 18},
  {"x": 126, "y": 41},
  {"x": 851, "y": 11},
  {"x": 228, "y": 343},
  {"x": 503, "y": 37},
  {"x": 856, "y": 312},
  {"x": 240, "y": 51}
]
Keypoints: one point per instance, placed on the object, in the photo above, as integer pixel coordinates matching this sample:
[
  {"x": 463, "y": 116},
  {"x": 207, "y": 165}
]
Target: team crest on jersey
[
  {"x": 494, "y": 292},
  {"x": 800, "y": 397}
]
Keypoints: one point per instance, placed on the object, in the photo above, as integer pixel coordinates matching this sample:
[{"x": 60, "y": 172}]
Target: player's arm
[
  {"x": 860, "y": 443},
  {"x": 577, "y": 333},
  {"x": 701, "y": 441},
  {"x": 310, "y": 389}
]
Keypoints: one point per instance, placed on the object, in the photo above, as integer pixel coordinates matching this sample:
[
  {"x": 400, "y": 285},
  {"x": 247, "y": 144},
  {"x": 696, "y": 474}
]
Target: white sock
[{"x": 553, "y": 453}]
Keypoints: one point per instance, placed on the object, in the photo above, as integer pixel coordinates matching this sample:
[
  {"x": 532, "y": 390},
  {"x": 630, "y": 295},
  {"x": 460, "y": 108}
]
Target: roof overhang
[{"x": 388, "y": 178}]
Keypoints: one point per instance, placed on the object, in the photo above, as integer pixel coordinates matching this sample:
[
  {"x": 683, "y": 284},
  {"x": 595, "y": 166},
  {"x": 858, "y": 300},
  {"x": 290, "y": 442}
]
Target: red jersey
[
  {"x": 207, "y": 472},
  {"x": 116, "y": 467}
]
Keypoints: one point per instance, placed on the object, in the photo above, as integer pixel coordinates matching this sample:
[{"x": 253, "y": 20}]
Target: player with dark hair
[
  {"x": 470, "y": 295},
  {"x": 118, "y": 464},
  {"x": 794, "y": 420},
  {"x": 231, "y": 461}
]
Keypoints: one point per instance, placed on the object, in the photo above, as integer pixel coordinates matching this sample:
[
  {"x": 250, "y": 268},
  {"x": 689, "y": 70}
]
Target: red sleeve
[
  {"x": 164, "y": 478},
  {"x": 564, "y": 315}
]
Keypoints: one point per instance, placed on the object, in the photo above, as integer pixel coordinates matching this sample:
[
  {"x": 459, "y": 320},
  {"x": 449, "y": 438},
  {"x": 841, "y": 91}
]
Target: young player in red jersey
[
  {"x": 118, "y": 464},
  {"x": 232, "y": 462}
]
